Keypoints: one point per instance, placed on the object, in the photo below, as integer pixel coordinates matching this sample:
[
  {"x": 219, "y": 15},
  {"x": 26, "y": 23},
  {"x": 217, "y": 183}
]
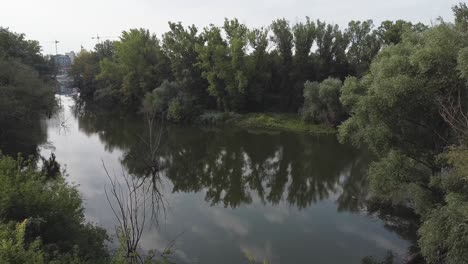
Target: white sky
[{"x": 74, "y": 22}]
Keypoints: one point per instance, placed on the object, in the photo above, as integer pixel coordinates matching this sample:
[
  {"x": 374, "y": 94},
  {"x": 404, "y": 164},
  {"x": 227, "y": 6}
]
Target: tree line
[{"x": 229, "y": 67}]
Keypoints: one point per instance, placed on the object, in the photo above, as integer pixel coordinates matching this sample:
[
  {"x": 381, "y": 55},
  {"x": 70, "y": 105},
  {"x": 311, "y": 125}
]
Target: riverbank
[{"x": 266, "y": 121}]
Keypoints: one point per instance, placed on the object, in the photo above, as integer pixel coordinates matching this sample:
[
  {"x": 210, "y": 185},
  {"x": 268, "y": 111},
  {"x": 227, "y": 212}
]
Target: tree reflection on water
[{"x": 232, "y": 165}]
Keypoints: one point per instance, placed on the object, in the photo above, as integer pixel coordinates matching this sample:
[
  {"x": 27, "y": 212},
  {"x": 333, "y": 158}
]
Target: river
[{"x": 229, "y": 194}]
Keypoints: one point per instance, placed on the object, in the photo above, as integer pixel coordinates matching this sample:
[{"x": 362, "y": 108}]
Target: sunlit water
[{"x": 230, "y": 194}]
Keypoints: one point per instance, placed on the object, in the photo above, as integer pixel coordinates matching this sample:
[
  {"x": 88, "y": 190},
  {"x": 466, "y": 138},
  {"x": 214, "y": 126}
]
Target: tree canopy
[
  {"x": 410, "y": 109},
  {"x": 232, "y": 67},
  {"x": 26, "y": 85}
]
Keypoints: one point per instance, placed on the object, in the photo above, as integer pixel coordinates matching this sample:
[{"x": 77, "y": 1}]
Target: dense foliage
[
  {"x": 231, "y": 68},
  {"x": 322, "y": 102},
  {"x": 26, "y": 92},
  {"x": 41, "y": 217},
  {"x": 410, "y": 109}
]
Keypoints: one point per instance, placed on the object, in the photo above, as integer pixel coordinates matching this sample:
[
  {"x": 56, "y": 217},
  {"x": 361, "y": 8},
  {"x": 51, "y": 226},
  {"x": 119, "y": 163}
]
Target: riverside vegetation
[
  {"x": 41, "y": 215},
  {"x": 400, "y": 90}
]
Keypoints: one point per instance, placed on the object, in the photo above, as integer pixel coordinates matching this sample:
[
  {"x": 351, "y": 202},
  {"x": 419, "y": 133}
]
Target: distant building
[
  {"x": 62, "y": 60},
  {"x": 63, "y": 63},
  {"x": 71, "y": 55}
]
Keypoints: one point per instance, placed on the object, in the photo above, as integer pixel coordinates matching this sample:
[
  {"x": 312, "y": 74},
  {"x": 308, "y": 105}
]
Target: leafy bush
[
  {"x": 288, "y": 122},
  {"x": 157, "y": 101},
  {"x": 170, "y": 101},
  {"x": 175, "y": 111},
  {"x": 53, "y": 208},
  {"x": 322, "y": 102},
  {"x": 14, "y": 248}
]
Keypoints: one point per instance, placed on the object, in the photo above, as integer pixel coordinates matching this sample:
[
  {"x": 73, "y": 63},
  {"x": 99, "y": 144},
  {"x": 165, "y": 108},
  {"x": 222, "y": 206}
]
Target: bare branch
[{"x": 454, "y": 113}]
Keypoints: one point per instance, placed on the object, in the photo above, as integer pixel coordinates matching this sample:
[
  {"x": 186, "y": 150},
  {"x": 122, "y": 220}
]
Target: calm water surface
[{"x": 229, "y": 193}]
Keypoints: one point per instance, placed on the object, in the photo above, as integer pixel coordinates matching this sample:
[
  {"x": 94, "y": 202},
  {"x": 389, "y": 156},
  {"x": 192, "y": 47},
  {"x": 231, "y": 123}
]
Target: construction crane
[
  {"x": 55, "y": 42},
  {"x": 98, "y": 38},
  {"x": 56, "y": 50}
]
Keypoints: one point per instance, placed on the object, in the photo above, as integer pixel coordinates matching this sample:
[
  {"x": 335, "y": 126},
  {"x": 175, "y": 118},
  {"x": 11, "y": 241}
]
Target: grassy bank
[{"x": 267, "y": 121}]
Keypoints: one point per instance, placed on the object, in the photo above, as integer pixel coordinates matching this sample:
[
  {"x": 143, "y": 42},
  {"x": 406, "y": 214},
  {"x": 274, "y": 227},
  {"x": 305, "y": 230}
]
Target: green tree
[
  {"x": 392, "y": 32},
  {"x": 53, "y": 208},
  {"x": 168, "y": 102},
  {"x": 283, "y": 39},
  {"x": 304, "y": 36},
  {"x": 407, "y": 110},
  {"x": 15, "y": 46},
  {"x": 364, "y": 45},
  {"x": 461, "y": 16},
  {"x": 330, "y": 55},
  {"x": 396, "y": 104},
  {"x": 214, "y": 64},
  {"x": 223, "y": 64},
  {"x": 444, "y": 233},
  {"x": 105, "y": 49},
  {"x": 25, "y": 95},
  {"x": 259, "y": 69},
  {"x": 139, "y": 66},
  {"x": 179, "y": 45},
  {"x": 322, "y": 102},
  {"x": 237, "y": 79},
  {"x": 84, "y": 71},
  {"x": 26, "y": 92}
]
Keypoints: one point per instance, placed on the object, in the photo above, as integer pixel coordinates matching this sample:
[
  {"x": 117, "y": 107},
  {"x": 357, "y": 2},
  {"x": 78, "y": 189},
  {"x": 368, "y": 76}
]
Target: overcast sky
[{"x": 74, "y": 22}]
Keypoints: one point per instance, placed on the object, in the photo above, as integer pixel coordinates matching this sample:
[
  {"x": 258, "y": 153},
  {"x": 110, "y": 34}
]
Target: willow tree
[
  {"x": 396, "y": 109},
  {"x": 322, "y": 102}
]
